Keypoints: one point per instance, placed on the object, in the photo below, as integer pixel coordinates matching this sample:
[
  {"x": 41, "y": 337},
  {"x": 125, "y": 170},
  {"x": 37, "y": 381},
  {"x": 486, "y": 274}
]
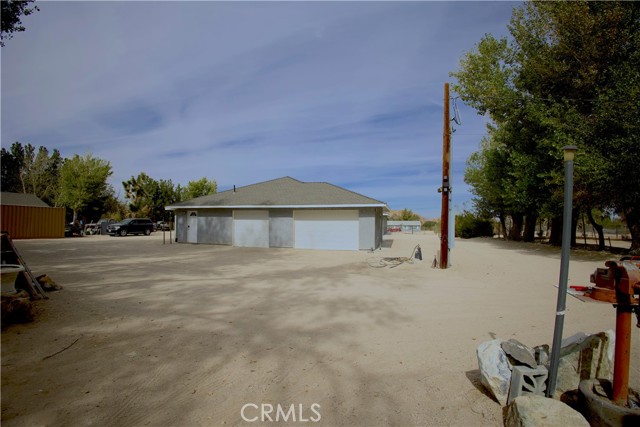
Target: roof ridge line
[
  {"x": 285, "y": 191},
  {"x": 261, "y": 182},
  {"x": 350, "y": 191}
]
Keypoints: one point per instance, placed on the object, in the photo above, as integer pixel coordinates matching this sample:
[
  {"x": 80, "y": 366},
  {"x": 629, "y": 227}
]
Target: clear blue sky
[{"x": 241, "y": 92}]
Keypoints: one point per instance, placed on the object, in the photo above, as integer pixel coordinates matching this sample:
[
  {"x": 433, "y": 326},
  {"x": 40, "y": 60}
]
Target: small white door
[{"x": 192, "y": 227}]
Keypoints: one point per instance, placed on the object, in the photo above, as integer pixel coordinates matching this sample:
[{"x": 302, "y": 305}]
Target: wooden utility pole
[{"x": 445, "y": 189}]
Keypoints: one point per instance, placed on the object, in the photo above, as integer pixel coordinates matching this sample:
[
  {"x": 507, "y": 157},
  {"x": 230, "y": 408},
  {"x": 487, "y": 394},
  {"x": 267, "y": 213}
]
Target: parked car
[
  {"x": 72, "y": 229},
  {"x": 99, "y": 227},
  {"x": 103, "y": 223},
  {"x": 163, "y": 226},
  {"x": 131, "y": 226}
]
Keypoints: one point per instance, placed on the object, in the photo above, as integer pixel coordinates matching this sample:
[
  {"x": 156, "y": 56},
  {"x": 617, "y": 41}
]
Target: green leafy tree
[
  {"x": 584, "y": 58},
  {"x": 486, "y": 173},
  {"x": 201, "y": 187},
  {"x": 114, "y": 207},
  {"x": 158, "y": 195},
  {"x": 569, "y": 74},
  {"x": 83, "y": 181},
  {"x": 27, "y": 170},
  {"x": 98, "y": 206},
  {"x": 41, "y": 173},
  {"x": 168, "y": 193},
  {"x": 487, "y": 81},
  {"x": 404, "y": 215},
  {"x": 408, "y": 215},
  {"x": 140, "y": 190},
  {"x": 11, "y": 14},
  {"x": 10, "y": 176},
  {"x": 149, "y": 197}
]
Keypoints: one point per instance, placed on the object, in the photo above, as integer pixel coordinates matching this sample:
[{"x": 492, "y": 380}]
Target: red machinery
[{"x": 619, "y": 284}]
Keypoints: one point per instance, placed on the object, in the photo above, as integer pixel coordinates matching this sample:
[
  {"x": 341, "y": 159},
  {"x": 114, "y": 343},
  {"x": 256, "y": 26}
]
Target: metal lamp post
[{"x": 569, "y": 154}]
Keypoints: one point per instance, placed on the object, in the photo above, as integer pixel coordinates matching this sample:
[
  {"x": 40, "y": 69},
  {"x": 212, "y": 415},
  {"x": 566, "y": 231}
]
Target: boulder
[
  {"x": 538, "y": 411},
  {"x": 519, "y": 354},
  {"x": 584, "y": 357},
  {"x": 16, "y": 308},
  {"x": 495, "y": 371},
  {"x": 48, "y": 284},
  {"x": 542, "y": 354}
]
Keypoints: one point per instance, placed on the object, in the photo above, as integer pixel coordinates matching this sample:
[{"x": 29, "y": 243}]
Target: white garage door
[
  {"x": 326, "y": 229},
  {"x": 251, "y": 229}
]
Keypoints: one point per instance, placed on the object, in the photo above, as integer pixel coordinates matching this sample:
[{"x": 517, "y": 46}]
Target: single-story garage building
[{"x": 282, "y": 213}]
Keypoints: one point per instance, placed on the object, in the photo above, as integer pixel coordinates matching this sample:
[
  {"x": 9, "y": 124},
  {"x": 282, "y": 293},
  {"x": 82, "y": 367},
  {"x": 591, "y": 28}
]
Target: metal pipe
[
  {"x": 569, "y": 153},
  {"x": 622, "y": 355}
]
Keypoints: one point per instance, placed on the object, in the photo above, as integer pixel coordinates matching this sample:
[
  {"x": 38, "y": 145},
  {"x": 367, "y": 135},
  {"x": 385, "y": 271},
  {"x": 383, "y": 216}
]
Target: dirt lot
[{"x": 186, "y": 335}]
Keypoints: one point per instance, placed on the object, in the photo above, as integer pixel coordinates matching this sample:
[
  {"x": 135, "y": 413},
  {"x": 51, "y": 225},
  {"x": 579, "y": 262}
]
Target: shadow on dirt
[
  {"x": 579, "y": 253},
  {"x": 186, "y": 335},
  {"x": 474, "y": 377}
]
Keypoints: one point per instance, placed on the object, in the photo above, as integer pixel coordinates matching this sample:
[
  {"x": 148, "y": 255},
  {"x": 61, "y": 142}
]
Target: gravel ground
[{"x": 187, "y": 335}]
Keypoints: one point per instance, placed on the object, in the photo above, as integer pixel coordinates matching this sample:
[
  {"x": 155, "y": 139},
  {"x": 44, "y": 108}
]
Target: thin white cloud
[{"x": 348, "y": 93}]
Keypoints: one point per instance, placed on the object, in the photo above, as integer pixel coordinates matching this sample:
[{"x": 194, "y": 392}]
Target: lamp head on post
[{"x": 569, "y": 152}]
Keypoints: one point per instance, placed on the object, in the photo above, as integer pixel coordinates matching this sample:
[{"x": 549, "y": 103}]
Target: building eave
[{"x": 372, "y": 205}]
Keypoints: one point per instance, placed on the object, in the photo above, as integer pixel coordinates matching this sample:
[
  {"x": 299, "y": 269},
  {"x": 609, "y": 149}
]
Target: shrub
[
  {"x": 430, "y": 225},
  {"x": 470, "y": 225}
]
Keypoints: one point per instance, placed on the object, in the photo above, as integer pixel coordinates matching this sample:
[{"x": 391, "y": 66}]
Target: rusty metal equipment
[{"x": 619, "y": 284}]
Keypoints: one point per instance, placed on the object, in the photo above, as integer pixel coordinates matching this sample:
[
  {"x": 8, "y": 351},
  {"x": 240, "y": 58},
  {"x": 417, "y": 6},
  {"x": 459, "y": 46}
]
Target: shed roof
[
  {"x": 282, "y": 192},
  {"x": 21, "y": 199},
  {"x": 414, "y": 223}
]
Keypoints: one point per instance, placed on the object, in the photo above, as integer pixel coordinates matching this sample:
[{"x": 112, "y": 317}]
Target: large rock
[
  {"x": 16, "y": 308},
  {"x": 538, "y": 411},
  {"x": 495, "y": 371},
  {"x": 48, "y": 284},
  {"x": 584, "y": 357},
  {"x": 519, "y": 354},
  {"x": 542, "y": 354}
]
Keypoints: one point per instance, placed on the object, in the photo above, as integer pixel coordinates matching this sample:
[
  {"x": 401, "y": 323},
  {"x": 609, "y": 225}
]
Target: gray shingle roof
[
  {"x": 282, "y": 192},
  {"x": 20, "y": 199}
]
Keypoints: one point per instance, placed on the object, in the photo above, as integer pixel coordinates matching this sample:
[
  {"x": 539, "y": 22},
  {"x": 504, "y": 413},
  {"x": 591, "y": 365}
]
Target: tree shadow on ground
[
  {"x": 544, "y": 249},
  {"x": 191, "y": 334}
]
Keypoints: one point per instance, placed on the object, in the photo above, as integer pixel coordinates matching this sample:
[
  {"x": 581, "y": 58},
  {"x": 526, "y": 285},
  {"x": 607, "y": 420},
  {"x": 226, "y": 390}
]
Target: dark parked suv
[{"x": 131, "y": 226}]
